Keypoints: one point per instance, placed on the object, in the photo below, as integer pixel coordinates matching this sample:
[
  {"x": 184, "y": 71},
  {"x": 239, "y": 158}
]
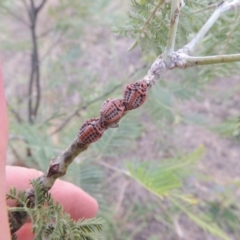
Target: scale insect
[
  {"x": 112, "y": 111},
  {"x": 135, "y": 94},
  {"x": 91, "y": 131}
]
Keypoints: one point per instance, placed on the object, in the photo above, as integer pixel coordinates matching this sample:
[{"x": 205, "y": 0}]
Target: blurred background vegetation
[{"x": 171, "y": 170}]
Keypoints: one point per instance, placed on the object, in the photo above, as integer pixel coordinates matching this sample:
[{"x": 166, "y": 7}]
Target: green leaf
[{"x": 161, "y": 179}]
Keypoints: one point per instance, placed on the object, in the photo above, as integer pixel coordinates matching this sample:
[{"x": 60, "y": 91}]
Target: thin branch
[
  {"x": 175, "y": 11},
  {"x": 121, "y": 196},
  {"x": 118, "y": 170},
  {"x": 16, "y": 209},
  {"x": 148, "y": 21},
  {"x": 16, "y": 155},
  {"x": 15, "y": 16},
  {"x": 33, "y": 59},
  {"x": 27, "y": 8},
  {"x": 32, "y": 12},
  {"x": 223, "y": 7},
  {"x": 15, "y": 113},
  {"x": 152, "y": 14},
  {"x": 230, "y": 34},
  {"x": 45, "y": 33},
  {"x": 53, "y": 45},
  {"x": 40, "y": 6},
  {"x": 17, "y": 137},
  {"x": 209, "y": 7},
  {"x": 198, "y": 61}
]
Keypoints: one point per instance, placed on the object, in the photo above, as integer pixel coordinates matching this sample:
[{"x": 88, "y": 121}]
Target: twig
[
  {"x": 15, "y": 153},
  {"x": 40, "y": 6},
  {"x": 15, "y": 16},
  {"x": 175, "y": 11},
  {"x": 198, "y": 61},
  {"x": 118, "y": 170},
  {"x": 15, "y": 113},
  {"x": 121, "y": 196},
  {"x": 209, "y": 7},
  {"x": 225, "y": 6},
  {"x": 17, "y": 137},
  {"x": 19, "y": 160},
  {"x": 152, "y": 14},
  {"x": 26, "y": 7},
  {"x": 45, "y": 33},
  {"x": 53, "y": 45}
]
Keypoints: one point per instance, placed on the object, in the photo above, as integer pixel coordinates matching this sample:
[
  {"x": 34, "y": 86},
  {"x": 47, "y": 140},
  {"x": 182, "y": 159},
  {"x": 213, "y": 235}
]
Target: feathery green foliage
[
  {"x": 205, "y": 222},
  {"x": 50, "y": 222},
  {"x": 228, "y": 128},
  {"x": 148, "y": 23},
  {"x": 166, "y": 181},
  {"x": 168, "y": 175}
]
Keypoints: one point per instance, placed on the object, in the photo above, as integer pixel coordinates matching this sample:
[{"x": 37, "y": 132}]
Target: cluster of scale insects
[{"x": 112, "y": 110}]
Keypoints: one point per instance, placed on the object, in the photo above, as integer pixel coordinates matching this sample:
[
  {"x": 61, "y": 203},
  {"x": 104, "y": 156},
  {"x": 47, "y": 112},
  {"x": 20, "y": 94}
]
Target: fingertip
[
  {"x": 74, "y": 200},
  {"x": 20, "y": 177},
  {"x": 25, "y": 232}
]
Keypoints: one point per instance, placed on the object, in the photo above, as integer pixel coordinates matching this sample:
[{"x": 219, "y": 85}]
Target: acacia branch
[
  {"x": 223, "y": 7},
  {"x": 175, "y": 11},
  {"x": 198, "y": 61}
]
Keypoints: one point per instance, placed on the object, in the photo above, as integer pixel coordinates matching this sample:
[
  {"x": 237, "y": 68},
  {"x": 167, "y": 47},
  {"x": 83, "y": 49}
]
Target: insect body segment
[
  {"x": 111, "y": 111},
  {"x": 135, "y": 94},
  {"x": 91, "y": 131}
]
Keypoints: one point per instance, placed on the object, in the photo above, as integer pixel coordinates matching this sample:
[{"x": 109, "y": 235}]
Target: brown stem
[
  {"x": 40, "y": 6},
  {"x": 34, "y": 81},
  {"x": 15, "y": 113},
  {"x": 16, "y": 16}
]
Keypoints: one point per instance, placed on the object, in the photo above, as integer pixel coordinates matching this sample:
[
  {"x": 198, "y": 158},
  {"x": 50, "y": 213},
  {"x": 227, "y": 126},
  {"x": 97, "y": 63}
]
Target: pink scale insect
[
  {"x": 135, "y": 94},
  {"x": 91, "y": 131},
  {"x": 112, "y": 111}
]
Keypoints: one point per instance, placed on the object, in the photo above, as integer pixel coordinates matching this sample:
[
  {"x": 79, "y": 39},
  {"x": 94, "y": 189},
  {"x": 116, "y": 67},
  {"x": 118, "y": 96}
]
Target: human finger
[
  {"x": 5, "y": 233},
  {"x": 73, "y": 199}
]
